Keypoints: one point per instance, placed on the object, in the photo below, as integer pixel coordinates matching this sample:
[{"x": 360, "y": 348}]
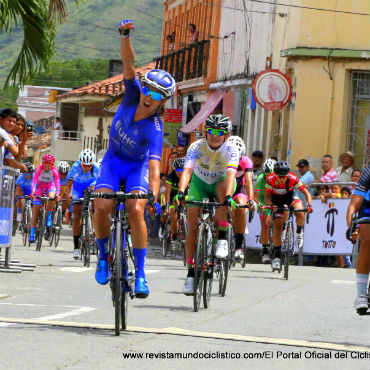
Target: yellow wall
[
  {"x": 317, "y": 122},
  {"x": 314, "y": 28}
]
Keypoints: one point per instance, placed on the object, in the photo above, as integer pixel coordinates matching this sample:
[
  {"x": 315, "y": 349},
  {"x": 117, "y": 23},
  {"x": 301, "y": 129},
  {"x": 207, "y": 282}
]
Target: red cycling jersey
[{"x": 272, "y": 185}]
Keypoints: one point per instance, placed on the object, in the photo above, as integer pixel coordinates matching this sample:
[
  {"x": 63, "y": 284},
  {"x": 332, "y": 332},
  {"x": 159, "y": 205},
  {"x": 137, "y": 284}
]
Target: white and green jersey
[{"x": 210, "y": 165}]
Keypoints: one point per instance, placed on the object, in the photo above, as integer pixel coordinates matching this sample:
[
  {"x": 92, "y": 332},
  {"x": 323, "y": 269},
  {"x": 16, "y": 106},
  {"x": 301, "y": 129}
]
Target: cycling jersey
[
  {"x": 45, "y": 182},
  {"x": 63, "y": 185},
  {"x": 292, "y": 183},
  {"x": 82, "y": 180},
  {"x": 24, "y": 184},
  {"x": 283, "y": 194},
  {"x": 362, "y": 188},
  {"x": 245, "y": 165},
  {"x": 259, "y": 188},
  {"x": 131, "y": 144},
  {"x": 174, "y": 181},
  {"x": 210, "y": 165}
]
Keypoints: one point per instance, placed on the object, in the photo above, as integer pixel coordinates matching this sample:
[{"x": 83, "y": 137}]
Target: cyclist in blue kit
[
  {"x": 82, "y": 176},
  {"x": 133, "y": 157}
]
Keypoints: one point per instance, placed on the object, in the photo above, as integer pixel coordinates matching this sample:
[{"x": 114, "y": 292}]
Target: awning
[{"x": 205, "y": 111}]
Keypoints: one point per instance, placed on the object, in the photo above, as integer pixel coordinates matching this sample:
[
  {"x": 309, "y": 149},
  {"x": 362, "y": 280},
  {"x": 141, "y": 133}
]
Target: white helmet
[
  {"x": 238, "y": 143},
  {"x": 268, "y": 166},
  {"x": 63, "y": 167},
  {"x": 87, "y": 157}
]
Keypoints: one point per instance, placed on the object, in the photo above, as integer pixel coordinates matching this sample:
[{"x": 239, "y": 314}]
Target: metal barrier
[{"x": 7, "y": 183}]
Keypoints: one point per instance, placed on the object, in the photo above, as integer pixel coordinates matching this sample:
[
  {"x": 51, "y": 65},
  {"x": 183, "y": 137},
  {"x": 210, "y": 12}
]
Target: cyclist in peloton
[
  {"x": 81, "y": 177},
  {"x": 279, "y": 192},
  {"x": 23, "y": 186},
  {"x": 133, "y": 157},
  {"x": 172, "y": 187},
  {"x": 265, "y": 214},
  {"x": 63, "y": 168},
  {"x": 45, "y": 181},
  {"x": 211, "y": 164},
  {"x": 243, "y": 195},
  {"x": 360, "y": 202}
]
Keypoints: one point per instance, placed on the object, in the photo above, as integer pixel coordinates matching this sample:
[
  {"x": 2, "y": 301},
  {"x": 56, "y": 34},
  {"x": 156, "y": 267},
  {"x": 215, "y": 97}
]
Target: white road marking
[
  {"x": 63, "y": 315},
  {"x": 76, "y": 269},
  {"x": 41, "y": 305},
  {"x": 2, "y": 296},
  {"x": 348, "y": 282},
  {"x": 148, "y": 272}
]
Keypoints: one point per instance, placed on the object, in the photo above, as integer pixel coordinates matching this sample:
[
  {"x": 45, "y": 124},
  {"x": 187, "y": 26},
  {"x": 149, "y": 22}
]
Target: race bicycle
[
  {"x": 121, "y": 259},
  {"x": 287, "y": 249},
  {"x": 88, "y": 244}
]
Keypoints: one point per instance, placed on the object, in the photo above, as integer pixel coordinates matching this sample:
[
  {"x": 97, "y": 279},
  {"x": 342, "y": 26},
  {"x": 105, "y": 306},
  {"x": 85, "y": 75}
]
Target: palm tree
[{"x": 38, "y": 19}]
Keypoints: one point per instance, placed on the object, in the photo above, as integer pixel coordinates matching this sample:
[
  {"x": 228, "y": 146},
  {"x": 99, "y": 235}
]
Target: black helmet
[
  {"x": 219, "y": 121},
  {"x": 179, "y": 163},
  {"x": 30, "y": 167},
  {"x": 281, "y": 168}
]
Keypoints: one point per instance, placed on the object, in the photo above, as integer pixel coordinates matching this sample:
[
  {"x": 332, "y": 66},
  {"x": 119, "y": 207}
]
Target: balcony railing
[
  {"x": 94, "y": 144},
  {"x": 67, "y": 135},
  {"x": 187, "y": 63}
]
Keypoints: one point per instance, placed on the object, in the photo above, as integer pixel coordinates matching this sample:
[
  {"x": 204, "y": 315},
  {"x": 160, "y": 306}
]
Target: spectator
[
  {"x": 8, "y": 119},
  {"x": 57, "y": 125},
  {"x": 346, "y": 192},
  {"x": 194, "y": 34},
  {"x": 321, "y": 191},
  {"x": 356, "y": 173},
  {"x": 328, "y": 173},
  {"x": 171, "y": 44},
  {"x": 21, "y": 135},
  {"x": 345, "y": 170},
  {"x": 181, "y": 151},
  {"x": 257, "y": 159},
  {"x": 171, "y": 159},
  {"x": 306, "y": 176}
]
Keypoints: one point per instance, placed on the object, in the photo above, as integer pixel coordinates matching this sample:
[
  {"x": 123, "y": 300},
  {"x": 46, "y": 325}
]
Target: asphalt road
[{"x": 58, "y": 317}]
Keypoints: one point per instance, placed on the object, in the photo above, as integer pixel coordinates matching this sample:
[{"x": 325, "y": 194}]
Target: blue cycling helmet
[{"x": 161, "y": 80}]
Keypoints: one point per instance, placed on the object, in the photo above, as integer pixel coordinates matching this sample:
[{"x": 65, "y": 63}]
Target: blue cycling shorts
[
  {"x": 26, "y": 190},
  {"x": 115, "y": 171},
  {"x": 78, "y": 189}
]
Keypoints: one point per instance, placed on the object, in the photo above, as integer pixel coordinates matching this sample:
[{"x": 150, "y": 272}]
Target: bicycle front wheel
[
  {"x": 208, "y": 272},
  {"x": 40, "y": 229},
  {"x": 26, "y": 219},
  {"x": 117, "y": 272},
  {"x": 166, "y": 241},
  {"x": 86, "y": 245},
  {"x": 58, "y": 226},
  {"x": 288, "y": 250},
  {"x": 199, "y": 261}
]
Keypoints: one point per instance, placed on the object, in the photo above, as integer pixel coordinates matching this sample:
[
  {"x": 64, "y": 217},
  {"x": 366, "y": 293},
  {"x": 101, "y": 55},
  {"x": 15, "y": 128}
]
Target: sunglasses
[
  {"x": 154, "y": 94},
  {"x": 179, "y": 169},
  {"x": 216, "y": 132},
  {"x": 47, "y": 163},
  {"x": 86, "y": 165},
  {"x": 281, "y": 176}
]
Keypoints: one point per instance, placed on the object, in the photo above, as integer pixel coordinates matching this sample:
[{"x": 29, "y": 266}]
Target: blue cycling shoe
[
  {"x": 31, "y": 239},
  {"x": 141, "y": 287},
  {"x": 102, "y": 273}
]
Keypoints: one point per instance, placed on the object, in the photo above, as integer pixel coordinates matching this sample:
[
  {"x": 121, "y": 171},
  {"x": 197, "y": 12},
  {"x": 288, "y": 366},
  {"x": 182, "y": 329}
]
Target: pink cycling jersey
[{"x": 45, "y": 181}]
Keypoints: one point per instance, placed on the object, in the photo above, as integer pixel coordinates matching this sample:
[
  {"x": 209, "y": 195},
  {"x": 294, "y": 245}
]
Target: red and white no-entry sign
[{"x": 272, "y": 89}]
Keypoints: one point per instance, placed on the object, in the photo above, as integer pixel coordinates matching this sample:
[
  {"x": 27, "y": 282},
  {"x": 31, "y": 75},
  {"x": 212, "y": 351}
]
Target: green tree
[{"x": 38, "y": 19}]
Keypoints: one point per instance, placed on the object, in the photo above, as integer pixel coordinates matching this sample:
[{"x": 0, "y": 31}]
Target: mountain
[{"x": 90, "y": 32}]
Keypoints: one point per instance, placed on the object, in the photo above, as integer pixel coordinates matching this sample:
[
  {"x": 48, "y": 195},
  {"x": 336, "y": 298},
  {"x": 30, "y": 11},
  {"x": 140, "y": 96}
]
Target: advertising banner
[
  {"x": 324, "y": 234},
  {"x": 6, "y": 206},
  {"x": 172, "y": 124}
]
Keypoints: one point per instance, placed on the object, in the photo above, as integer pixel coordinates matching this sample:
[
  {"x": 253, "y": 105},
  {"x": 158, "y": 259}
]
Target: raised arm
[{"x": 127, "y": 54}]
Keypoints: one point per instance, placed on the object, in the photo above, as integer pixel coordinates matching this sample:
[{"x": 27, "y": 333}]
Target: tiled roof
[{"x": 110, "y": 87}]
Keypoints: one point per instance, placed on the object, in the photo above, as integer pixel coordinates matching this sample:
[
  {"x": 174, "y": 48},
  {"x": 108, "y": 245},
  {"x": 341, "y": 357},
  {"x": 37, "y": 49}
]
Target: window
[{"x": 359, "y": 117}]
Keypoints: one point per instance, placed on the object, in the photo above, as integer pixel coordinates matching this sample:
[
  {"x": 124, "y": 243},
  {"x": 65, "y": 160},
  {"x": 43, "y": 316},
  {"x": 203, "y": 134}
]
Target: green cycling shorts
[{"x": 199, "y": 189}]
